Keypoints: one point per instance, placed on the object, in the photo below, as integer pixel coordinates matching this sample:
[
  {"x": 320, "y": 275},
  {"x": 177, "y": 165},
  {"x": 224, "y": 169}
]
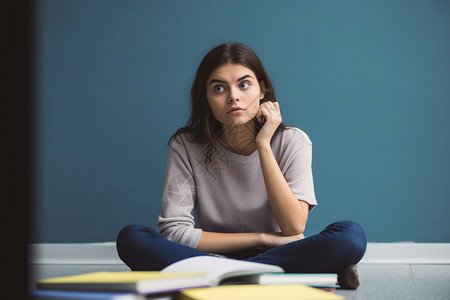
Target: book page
[{"x": 218, "y": 268}]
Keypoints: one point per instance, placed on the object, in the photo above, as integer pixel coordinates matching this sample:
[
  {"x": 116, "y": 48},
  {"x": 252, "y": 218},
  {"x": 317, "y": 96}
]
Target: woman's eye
[
  {"x": 218, "y": 88},
  {"x": 244, "y": 85}
]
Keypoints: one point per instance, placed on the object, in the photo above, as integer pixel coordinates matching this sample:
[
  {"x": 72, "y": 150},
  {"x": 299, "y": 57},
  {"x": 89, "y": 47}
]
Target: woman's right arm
[
  {"x": 176, "y": 221},
  {"x": 222, "y": 243}
]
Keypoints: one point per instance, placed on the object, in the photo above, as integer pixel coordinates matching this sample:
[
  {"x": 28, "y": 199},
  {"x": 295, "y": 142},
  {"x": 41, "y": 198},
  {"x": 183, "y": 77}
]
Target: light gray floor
[
  {"x": 378, "y": 281},
  {"x": 402, "y": 282}
]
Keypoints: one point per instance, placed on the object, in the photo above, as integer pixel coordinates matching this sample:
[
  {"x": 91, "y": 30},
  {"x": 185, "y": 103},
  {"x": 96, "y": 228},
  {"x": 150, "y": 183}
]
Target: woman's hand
[
  {"x": 269, "y": 113},
  {"x": 272, "y": 240}
]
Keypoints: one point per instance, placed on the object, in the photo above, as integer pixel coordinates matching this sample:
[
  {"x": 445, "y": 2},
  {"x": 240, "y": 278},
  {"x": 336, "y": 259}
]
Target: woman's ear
[{"x": 262, "y": 88}]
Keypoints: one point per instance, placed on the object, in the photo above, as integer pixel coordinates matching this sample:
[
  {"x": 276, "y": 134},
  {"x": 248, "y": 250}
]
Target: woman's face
[{"x": 233, "y": 93}]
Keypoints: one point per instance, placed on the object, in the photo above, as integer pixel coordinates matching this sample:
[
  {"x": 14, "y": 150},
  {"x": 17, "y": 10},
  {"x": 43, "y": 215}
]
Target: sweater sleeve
[
  {"x": 296, "y": 166},
  {"x": 176, "y": 221}
]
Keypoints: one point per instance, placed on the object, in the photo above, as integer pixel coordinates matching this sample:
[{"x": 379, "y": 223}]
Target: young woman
[{"x": 247, "y": 179}]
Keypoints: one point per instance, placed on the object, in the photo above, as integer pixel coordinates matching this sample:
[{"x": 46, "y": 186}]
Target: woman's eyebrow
[
  {"x": 216, "y": 80},
  {"x": 243, "y": 77},
  {"x": 221, "y": 81}
]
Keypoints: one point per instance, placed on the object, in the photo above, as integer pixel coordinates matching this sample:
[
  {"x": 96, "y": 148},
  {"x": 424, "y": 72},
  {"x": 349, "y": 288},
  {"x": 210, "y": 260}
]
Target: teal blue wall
[{"x": 369, "y": 81}]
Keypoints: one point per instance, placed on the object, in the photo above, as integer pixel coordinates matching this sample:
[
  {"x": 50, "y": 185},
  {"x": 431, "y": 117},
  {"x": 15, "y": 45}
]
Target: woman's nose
[{"x": 233, "y": 96}]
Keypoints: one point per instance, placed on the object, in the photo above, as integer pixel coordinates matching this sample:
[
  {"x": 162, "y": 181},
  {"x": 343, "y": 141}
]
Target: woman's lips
[{"x": 235, "y": 110}]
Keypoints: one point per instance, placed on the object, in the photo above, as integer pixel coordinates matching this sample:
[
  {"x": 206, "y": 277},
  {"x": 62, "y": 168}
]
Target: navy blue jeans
[{"x": 339, "y": 245}]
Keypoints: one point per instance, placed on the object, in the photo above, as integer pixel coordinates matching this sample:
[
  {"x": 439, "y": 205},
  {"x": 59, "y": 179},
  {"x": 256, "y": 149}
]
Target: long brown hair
[{"x": 202, "y": 124}]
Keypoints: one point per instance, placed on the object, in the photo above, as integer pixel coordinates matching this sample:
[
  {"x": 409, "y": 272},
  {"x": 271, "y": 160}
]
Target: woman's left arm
[{"x": 290, "y": 213}]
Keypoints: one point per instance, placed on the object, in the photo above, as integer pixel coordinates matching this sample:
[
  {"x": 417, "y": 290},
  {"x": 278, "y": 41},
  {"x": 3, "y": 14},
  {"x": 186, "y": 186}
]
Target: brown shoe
[{"x": 349, "y": 277}]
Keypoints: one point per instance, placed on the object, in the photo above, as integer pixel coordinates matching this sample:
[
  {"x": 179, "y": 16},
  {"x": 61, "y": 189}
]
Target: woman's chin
[{"x": 240, "y": 122}]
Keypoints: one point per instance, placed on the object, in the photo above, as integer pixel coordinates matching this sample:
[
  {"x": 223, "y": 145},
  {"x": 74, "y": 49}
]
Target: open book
[
  {"x": 221, "y": 271},
  {"x": 200, "y": 271}
]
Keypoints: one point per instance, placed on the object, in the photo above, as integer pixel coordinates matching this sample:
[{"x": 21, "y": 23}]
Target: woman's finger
[{"x": 262, "y": 114}]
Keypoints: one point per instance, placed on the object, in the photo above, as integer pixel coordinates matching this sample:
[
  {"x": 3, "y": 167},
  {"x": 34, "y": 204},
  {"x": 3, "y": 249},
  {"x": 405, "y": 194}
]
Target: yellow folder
[{"x": 258, "y": 292}]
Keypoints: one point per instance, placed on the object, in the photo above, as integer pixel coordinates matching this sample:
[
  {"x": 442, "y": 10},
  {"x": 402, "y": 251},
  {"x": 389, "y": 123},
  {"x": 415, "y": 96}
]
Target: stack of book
[{"x": 196, "y": 278}]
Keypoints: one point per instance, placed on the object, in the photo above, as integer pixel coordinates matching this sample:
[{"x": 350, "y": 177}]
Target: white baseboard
[
  {"x": 407, "y": 253},
  {"x": 106, "y": 254},
  {"x": 88, "y": 254}
]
